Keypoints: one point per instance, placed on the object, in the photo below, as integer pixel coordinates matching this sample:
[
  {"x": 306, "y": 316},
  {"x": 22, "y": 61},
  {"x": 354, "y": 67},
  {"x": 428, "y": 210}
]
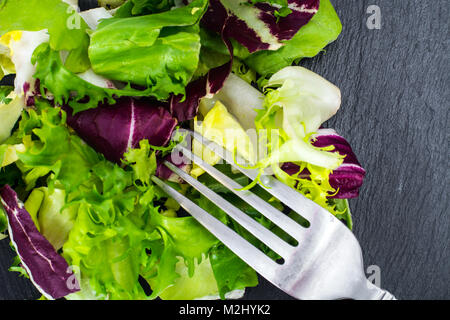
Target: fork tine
[
  {"x": 293, "y": 199},
  {"x": 289, "y": 225},
  {"x": 236, "y": 243},
  {"x": 264, "y": 235}
]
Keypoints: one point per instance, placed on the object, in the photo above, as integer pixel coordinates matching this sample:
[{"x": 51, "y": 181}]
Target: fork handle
[{"x": 369, "y": 291}]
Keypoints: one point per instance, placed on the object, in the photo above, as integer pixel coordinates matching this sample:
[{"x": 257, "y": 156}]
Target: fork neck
[{"x": 369, "y": 291}]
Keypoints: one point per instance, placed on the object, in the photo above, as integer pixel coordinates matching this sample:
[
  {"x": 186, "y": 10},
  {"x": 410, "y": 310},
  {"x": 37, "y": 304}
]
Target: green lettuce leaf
[
  {"x": 65, "y": 26},
  {"x": 143, "y": 7},
  {"x": 231, "y": 273},
  {"x": 201, "y": 284},
  {"x": 157, "y": 51},
  {"x": 189, "y": 239},
  {"x": 181, "y": 237}
]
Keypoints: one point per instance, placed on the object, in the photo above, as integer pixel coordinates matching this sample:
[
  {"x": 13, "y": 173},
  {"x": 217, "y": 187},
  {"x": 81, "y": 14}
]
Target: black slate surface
[{"x": 395, "y": 113}]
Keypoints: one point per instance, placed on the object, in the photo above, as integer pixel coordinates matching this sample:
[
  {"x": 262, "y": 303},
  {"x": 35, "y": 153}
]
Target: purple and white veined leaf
[
  {"x": 258, "y": 26},
  {"x": 48, "y": 271},
  {"x": 113, "y": 129},
  {"x": 176, "y": 158},
  {"x": 185, "y": 108},
  {"x": 347, "y": 178}
]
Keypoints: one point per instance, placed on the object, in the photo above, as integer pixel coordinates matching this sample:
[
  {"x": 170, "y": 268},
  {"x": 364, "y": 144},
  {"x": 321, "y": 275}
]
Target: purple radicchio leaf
[
  {"x": 176, "y": 158},
  {"x": 48, "y": 271},
  {"x": 349, "y": 177},
  {"x": 185, "y": 107},
  {"x": 31, "y": 93},
  {"x": 258, "y": 27},
  {"x": 113, "y": 129}
]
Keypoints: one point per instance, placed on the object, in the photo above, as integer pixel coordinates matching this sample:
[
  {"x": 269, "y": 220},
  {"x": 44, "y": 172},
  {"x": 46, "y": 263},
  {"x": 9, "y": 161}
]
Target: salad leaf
[
  {"x": 6, "y": 65},
  {"x": 64, "y": 25},
  {"x": 110, "y": 3},
  {"x": 222, "y": 128},
  {"x": 67, "y": 164},
  {"x": 178, "y": 160},
  {"x": 305, "y": 97},
  {"x": 8, "y": 153},
  {"x": 68, "y": 88},
  {"x": 48, "y": 271},
  {"x": 4, "y": 93},
  {"x": 296, "y": 109},
  {"x": 323, "y": 29},
  {"x": 343, "y": 207},
  {"x": 114, "y": 234},
  {"x": 35, "y": 15},
  {"x": 22, "y": 46},
  {"x": 143, "y": 161},
  {"x": 348, "y": 178},
  {"x": 241, "y": 99},
  {"x": 231, "y": 273},
  {"x": 9, "y": 114},
  {"x": 113, "y": 129},
  {"x": 52, "y": 220},
  {"x": 186, "y": 107},
  {"x": 143, "y": 7},
  {"x": 180, "y": 232},
  {"x": 259, "y": 26},
  {"x": 108, "y": 255},
  {"x": 157, "y": 51},
  {"x": 283, "y": 6},
  {"x": 183, "y": 237},
  {"x": 200, "y": 285}
]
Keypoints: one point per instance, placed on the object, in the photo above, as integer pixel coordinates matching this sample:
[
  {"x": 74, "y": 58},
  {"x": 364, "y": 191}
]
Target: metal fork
[{"x": 327, "y": 262}]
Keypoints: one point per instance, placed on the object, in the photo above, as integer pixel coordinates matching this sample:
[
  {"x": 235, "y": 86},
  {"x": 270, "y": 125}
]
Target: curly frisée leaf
[
  {"x": 43, "y": 154},
  {"x": 46, "y": 268},
  {"x": 68, "y": 88}
]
